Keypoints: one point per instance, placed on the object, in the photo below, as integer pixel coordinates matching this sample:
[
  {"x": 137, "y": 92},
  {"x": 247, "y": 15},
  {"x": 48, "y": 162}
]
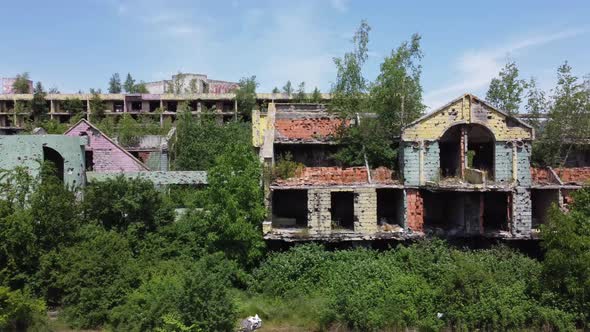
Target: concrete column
[
  {"x": 365, "y": 210},
  {"x": 145, "y": 106},
  {"x": 521, "y": 212},
  {"x": 319, "y": 219},
  {"x": 463, "y": 151},
  {"x": 51, "y": 106}
]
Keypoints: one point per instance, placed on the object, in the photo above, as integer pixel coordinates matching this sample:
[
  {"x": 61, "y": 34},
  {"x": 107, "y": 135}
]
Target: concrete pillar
[
  {"x": 521, "y": 212},
  {"x": 365, "y": 210},
  {"x": 145, "y": 106},
  {"x": 319, "y": 218}
]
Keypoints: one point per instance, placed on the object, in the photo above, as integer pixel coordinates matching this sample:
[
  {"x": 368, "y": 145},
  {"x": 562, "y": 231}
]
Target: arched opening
[
  {"x": 450, "y": 152},
  {"x": 466, "y": 145},
  {"x": 54, "y": 157},
  {"x": 480, "y": 149}
]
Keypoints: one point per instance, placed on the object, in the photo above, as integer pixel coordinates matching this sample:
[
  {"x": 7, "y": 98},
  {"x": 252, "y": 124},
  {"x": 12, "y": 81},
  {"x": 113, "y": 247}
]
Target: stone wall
[
  {"x": 523, "y": 164},
  {"x": 410, "y": 164}
]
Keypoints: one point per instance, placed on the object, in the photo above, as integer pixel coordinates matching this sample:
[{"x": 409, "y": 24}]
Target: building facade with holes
[{"x": 464, "y": 171}]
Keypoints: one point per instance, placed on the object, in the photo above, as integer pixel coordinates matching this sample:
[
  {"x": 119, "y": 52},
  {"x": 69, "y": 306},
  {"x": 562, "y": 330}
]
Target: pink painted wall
[{"x": 107, "y": 156}]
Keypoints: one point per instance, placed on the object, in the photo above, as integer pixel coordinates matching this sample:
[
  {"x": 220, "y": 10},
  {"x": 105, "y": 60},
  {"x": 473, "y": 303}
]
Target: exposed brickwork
[
  {"x": 542, "y": 176},
  {"x": 312, "y": 129},
  {"x": 574, "y": 175},
  {"x": 338, "y": 176},
  {"x": 107, "y": 155},
  {"x": 414, "y": 210}
]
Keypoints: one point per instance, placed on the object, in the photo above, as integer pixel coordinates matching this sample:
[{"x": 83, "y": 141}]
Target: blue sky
[{"x": 78, "y": 44}]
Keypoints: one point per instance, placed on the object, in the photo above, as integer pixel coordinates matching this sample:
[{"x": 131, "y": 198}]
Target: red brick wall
[
  {"x": 308, "y": 129},
  {"x": 415, "y": 210},
  {"x": 338, "y": 176},
  {"x": 579, "y": 175},
  {"x": 542, "y": 176}
]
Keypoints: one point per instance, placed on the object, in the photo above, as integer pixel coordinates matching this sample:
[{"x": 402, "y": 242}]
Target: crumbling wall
[
  {"x": 521, "y": 212},
  {"x": 27, "y": 150},
  {"x": 319, "y": 217},
  {"x": 411, "y": 163},
  {"x": 461, "y": 110},
  {"x": 503, "y": 161},
  {"x": 523, "y": 164},
  {"x": 431, "y": 164}
]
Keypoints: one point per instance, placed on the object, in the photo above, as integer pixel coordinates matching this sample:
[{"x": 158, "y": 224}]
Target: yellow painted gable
[{"x": 465, "y": 110}]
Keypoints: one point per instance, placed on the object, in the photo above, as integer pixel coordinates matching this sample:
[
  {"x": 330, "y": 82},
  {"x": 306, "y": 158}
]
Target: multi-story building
[
  {"x": 14, "y": 109},
  {"x": 464, "y": 170},
  {"x": 191, "y": 83}
]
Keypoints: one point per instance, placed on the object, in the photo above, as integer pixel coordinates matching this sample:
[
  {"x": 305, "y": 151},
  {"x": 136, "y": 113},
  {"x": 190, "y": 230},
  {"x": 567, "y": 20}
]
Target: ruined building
[
  {"x": 15, "y": 110},
  {"x": 464, "y": 170},
  {"x": 191, "y": 83}
]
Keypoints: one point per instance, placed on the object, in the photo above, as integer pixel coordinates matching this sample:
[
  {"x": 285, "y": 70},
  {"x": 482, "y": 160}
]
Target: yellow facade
[
  {"x": 259, "y": 126},
  {"x": 465, "y": 110}
]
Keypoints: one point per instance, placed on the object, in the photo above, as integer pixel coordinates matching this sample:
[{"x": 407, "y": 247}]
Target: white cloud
[
  {"x": 475, "y": 68},
  {"x": 339, "y": 5}
]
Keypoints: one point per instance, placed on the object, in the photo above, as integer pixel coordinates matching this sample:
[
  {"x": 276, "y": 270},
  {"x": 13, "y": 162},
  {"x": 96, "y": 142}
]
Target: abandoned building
[
  {"x": 192, "y": 83},
  {"x": 14, "y": 111},
  {"x": 85, "y": 154},
  {"x": 464, "y": 171}
]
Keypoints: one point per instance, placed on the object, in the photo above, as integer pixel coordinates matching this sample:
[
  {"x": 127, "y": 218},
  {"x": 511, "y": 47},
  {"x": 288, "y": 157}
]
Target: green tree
[
  {"x": 505, "y": 92},
  {"x": 21, "y": 83},
  {"x": 131, "y": 205},
  {"x": 97, "y": 106},
  {"x": 73, "y": 106},
  {"x": 566, "y": 267},
  {"x": 301, "y": 97},
  {"x": 246, "y": 95},
  {"x": 316, "y": 96},
  {"x": 129, "y": 84},
  {"x": 396, "y": 95},
  {"x": 115, "y": 84},
  {"x": 233, "y": 208},
  {"x": 140, "y": 88},
  {"x": 288, "y": 88},
  {"x": 568, "y": 117},
  {"x": 199, "y": 142},
  {"x": 276, "y": 90},
  {"x": 129, "y": 131},
  {"x": 19, "y": 311},
  {"x": 536, "y": 106},
  {"x": 38, "y": 103},
  {"x": 349, "y": 90}
]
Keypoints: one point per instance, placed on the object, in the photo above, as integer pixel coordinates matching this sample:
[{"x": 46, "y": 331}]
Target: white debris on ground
[{"x": 250, "y": 324}]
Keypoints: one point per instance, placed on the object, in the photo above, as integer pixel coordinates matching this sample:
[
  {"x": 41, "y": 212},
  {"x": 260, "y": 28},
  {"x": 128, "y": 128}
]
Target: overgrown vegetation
[
  {"x": 379, "y": 109},
  {"x": 119, "y": 261}
]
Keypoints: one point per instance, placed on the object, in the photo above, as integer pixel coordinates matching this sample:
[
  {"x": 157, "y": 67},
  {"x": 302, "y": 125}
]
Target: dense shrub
[
  {"x": 428, "y": 285},
  {"x": 566, "y": 268},
  {"x": 96, "y": 275},
  {"x": 122, "y": 204},
  {"x": 194, "y": 293},
  {"x": 20, "y": 312}
]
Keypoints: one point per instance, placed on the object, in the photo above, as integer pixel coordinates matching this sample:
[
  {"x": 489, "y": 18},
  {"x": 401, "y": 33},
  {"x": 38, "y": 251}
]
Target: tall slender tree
[
  {"x": 505, "y": 92},
  {"x": 396, "y": 95},
  {"x": 129, "y": 84},
  {"x": 115, "y": 83},
  {"x": 536, "y": 105},
  {"x": 288, "y": 88},
  {"x": 39, "y": 104},
  {"x": 301, "y": 97},
  {"x": 21, "y": 83}
]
